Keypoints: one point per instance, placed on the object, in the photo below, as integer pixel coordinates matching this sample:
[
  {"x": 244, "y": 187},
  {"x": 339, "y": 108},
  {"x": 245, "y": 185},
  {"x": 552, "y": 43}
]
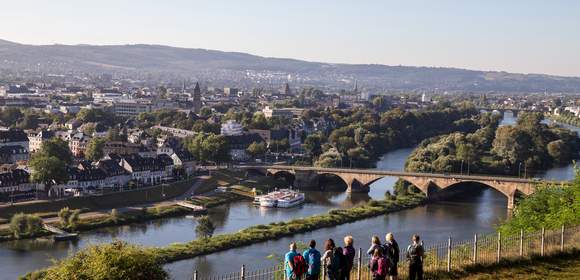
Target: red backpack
[
  {"x": 382, "y": 266},
  {"x": 300, "y": 266}
]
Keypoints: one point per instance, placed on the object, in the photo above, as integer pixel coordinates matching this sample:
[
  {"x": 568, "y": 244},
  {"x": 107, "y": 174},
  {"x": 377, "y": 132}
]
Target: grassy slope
[{"x": 559, "y": 267}]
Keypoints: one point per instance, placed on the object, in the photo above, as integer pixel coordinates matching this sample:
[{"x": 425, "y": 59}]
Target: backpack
[
  {"x": 391, "y": 251},
  {"x": 334, "y": 262},
  {"x": 300, "y": 266},
  {"x": 382, "y": 266},
  {"x": 313, "y": 262},
  {"x": 414, "y": 253}
]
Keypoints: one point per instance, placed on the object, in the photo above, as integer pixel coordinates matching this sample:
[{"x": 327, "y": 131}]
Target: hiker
[
  {"x": 295, "y": 264},
  {"x": 343, "y": 263},
  {"x": 331, "y": 260},
  {"x": 349, "y": 252},
  {"x": 379, "y": 265},
  {"x": 391, "y": 252},
  {"x": 375, "y": 244},
  {"x": 415, "y": 254},
  {"x": 312, "y": 258}
]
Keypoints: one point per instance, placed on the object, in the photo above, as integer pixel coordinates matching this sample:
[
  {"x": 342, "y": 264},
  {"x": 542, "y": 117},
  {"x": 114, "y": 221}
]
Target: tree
[
  {"x": 114, "y": 134},
  {"x": 48, "y": 170},
  {"x": 55, "y": 147},
  {"x": 64, "y": 215},
  {"x": 330, "y": 158},
  {"x": 94, "y": 149},
  {"x": 512, "y": 144},
  {"x": 114, "y": 261},
  {"x": 313, "y": 145},
  {"x": 466, "y": 152},
  {"x": 559, "y": 151},
  {"x": 205, "y": 227},
  {"x": 11, "y": 115},
  {"x": 25, "y": 224},
  {"x": 209, "y": 147},
  {"x": 259, "y": 121},
  {"x": 256, "y": 150}
]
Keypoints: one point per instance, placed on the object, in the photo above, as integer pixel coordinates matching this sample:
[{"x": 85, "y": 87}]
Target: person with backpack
[
  {"x": 331, "y": 260},
  {"x": 379, "y": 265},
  {"x": 375, "y": 244},
  {"x": 294, "y": 262},
  {"x": 343, "y": 263},
  {"x": 349, "y": 252},
  {"x": 391, "y": 252},
  {"x": 312, "y": 258},
  {"x": 415, "y": 253}
]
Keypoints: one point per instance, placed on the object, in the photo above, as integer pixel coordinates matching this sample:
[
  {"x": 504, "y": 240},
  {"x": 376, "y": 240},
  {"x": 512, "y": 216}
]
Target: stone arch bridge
[{"x": 358, "y": 180}]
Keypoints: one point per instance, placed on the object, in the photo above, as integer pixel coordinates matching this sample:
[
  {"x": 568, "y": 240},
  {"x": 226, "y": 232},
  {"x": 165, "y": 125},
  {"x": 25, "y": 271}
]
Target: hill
[{"x": 226, "y": 67}]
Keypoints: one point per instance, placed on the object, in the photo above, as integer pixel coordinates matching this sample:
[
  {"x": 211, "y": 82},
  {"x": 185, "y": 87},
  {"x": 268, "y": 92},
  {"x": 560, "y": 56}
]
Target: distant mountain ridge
[{"x": 224, "y": 67}]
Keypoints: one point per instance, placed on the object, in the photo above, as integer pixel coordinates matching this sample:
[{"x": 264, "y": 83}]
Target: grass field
[{"x": 561, "y": 267}]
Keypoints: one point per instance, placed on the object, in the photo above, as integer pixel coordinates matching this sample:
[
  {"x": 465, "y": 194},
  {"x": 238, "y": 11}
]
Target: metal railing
[{"x": 444, "y": 256}]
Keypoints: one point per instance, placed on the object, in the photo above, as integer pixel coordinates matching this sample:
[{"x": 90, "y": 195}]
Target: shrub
[
  {"x": 25, "y": 224},
  {"x": 117, "y": 260}
]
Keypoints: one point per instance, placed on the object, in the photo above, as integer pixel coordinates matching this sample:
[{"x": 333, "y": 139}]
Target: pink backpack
[{"x": 383, "y": 268}]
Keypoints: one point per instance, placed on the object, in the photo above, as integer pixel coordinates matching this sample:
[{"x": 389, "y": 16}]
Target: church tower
[{"x": 196, "y": 99}]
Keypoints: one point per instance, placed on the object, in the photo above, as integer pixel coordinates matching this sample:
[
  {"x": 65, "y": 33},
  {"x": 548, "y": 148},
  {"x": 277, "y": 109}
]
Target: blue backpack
[{"x": 313, "y": 257}]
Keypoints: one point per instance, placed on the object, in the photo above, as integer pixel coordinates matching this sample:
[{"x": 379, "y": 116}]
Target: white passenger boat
[{"x": 284, "y": 198}]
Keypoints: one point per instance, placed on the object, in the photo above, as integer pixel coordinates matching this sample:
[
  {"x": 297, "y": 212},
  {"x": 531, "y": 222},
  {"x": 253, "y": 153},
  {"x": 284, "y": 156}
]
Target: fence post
[
  {"x": 243, "y": 273},
  {"x": 449, "y": 254},
  {"x": 562, "y": 239},
  {"x": 359, "y": 272},
  {"x": 475, "y": 248},
  {"x": 498, "y": 246},
  {"x": 195, "y": 275},
  {"x": 543, "y": 236},
  {"x": 521, "y": 243}
]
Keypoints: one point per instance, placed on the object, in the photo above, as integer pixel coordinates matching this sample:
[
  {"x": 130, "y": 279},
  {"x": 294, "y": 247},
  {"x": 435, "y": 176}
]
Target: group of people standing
[{"x": 339, "y": 261}]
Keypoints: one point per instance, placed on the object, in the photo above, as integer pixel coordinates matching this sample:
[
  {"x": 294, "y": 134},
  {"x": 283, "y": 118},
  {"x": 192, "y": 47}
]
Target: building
[
  {"x": 183, "y": 159},
  {"x": 231, "y": 128},
  {"x": 15, "y": 185},
  {"x": 78, "y": 144},
  {"x": 177, "y": 132},
  {"x": 196, "y": 99},
  {"x": 292, "y": 136},
  {"x": 13, "y": 154},
  {"x": 14, "y": 137},
  {"x": 35, "y": 140},
  {"x": 120, "y": 148},
  {"x": 144, "y": 170},
  {"x": 231, "y": 91},
  {"x": 130, "y": 108},
  {"x": 116, "y": 176},
  {"x": 282, "y": 112}
]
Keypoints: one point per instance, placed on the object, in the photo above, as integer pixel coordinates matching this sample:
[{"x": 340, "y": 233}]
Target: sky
[{"x": 505, "y": 35}]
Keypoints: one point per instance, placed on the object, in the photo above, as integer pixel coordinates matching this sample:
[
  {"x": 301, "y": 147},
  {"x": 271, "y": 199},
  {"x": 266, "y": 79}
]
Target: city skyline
[{"x": 485, "y": 36}]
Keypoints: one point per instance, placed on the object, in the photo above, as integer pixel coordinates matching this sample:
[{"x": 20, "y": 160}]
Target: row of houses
[{"x": 112, "y": 172}]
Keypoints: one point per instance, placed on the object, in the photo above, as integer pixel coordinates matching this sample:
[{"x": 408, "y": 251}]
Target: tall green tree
[
  {"x": 256, "y": 150},
  {"x": 205, "y": 227},
  {"x": 94, "y": 149}
]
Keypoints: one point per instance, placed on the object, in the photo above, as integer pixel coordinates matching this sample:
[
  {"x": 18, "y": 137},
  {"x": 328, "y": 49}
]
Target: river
[{"x": 460, "y": 217}]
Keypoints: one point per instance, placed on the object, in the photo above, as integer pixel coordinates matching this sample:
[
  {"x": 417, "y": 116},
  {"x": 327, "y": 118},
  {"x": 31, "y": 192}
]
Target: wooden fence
[{"x": 445, "y": 256}]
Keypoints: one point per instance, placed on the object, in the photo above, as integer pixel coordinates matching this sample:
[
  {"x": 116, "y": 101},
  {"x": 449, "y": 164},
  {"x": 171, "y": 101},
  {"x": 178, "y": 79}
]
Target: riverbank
[
  {"x": 261, "y": 233},
  {"x": 558, "y": 267},
  {"x": 568, "y": 119}
]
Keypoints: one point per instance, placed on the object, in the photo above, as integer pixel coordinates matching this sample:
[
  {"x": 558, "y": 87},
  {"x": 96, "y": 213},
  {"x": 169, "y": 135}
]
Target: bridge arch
[
  {"x": 327, "y": 176},
  {"x": 287, "y": 176}
]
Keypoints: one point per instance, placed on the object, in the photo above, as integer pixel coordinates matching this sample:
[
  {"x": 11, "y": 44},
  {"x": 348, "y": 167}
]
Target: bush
[
  {"x": 117, "y": 260},
  {"x": 24, "y": 224}
]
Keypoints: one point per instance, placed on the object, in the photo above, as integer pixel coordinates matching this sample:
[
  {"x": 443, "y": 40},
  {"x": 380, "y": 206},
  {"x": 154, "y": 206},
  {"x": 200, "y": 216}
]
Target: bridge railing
[{"x": 444, "y": 257}]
